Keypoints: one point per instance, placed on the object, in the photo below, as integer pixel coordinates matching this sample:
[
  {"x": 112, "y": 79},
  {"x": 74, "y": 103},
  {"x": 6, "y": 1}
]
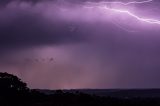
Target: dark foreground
[
  {"x": 74, "y": 99},
  {"x": 14, "y": 92}
]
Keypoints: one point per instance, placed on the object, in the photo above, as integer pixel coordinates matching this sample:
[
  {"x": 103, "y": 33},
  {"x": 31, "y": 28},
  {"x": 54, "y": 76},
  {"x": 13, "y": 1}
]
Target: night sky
[{"x": 69, "y": 44}]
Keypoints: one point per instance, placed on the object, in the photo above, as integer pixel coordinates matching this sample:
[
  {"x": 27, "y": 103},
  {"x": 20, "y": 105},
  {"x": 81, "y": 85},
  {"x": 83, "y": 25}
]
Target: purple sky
[{"x": 63, "y": 44}]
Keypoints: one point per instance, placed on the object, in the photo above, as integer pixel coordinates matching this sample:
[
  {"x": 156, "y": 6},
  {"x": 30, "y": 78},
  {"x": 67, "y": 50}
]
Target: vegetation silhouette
[
  {"x": 14, "y": 92},
  {"x": 12, "y": 84}
]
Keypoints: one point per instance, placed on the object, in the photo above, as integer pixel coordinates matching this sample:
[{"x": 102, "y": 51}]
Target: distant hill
[{"x": 122, "y": 93}]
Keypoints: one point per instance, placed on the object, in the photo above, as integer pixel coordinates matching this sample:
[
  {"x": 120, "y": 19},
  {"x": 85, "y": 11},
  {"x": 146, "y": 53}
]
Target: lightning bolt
[{"x": 147, "y": 20}]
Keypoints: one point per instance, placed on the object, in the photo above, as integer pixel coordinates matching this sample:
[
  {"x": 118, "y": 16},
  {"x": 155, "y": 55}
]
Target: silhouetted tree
[
  {"x": 12, "y": 89},
  {"x": 11, "y": 84}
]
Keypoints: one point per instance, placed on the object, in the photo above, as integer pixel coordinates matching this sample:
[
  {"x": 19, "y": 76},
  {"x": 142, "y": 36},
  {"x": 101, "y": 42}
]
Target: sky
[{"x": 75, "y": 44}]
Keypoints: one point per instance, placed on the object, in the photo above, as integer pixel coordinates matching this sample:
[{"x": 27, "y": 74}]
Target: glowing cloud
[
  {"x": 122, "y": 3},
  {"x": 104, "y": 6},
  {"x": 152, "y": 21}
]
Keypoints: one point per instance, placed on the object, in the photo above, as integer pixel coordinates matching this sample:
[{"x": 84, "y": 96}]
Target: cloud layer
[{"x": 90, "y": 48}]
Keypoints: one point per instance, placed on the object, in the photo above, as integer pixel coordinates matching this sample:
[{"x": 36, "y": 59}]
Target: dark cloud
[
  {"x": 29, "y": 30},
  {"x": 89, "y": 48},
  {"x": 5, "y": 2}
]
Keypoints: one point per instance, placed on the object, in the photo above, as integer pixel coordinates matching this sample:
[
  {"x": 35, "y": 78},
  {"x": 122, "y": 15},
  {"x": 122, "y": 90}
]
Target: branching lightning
[
  {"x": 148, "y": 20},
  {"x": 122, "y": 11}
]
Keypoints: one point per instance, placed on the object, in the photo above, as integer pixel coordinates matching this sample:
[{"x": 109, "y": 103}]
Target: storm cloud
[
  {"x": 21, "y": 27},
  {"x": 90, "y": 48}
]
